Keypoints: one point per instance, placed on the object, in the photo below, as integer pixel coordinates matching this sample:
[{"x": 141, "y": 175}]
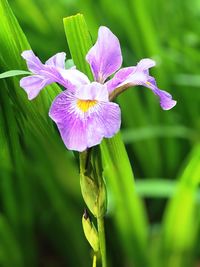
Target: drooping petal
[
  {"x": 105, "y": 56},
  {"x": 83, "y": 123},
  {"x": 51, "y": 71},
  {"x": 120, "y": 78},
  {"x": 33, "y": 62},
  {"x": 54, "y": 75},
  {"x": 139, "y": 75},
  {"x": 131, "y": 76},
  {"x": 33, "y": 85},
  {"x": 166, "y": 101},
  {"x": 105, "y": 122},
  {"x": 71, "y": 127},
  {"x": 57, "y": 61}
]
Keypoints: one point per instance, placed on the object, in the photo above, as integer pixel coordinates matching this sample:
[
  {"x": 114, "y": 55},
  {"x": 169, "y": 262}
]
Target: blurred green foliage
[{"x": 40, "y": 199}]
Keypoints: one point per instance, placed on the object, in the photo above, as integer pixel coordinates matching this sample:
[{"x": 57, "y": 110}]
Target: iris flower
[{"x": 84, "y": 112}]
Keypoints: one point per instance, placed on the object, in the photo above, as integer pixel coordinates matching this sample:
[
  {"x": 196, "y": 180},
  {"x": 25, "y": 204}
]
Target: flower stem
[
  {"x": 102, "y": 241},
  {"x": 94, "y": 263},
  {"x": 118, "y": 91}
]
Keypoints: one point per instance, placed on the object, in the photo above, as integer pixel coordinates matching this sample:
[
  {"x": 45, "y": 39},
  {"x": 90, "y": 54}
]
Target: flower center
[{"x": 85, "y": 105}]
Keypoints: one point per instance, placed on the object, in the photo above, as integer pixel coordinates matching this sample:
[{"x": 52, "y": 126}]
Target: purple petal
[
  {"x": 104, "y": 123},
  {"x": 105, "y": 56},
  {"x": 82, "y": 129},
  {"x": 145, "y": 64},
  {"x": 51, "y": 71},
  {"x": 74, "y": 78},
  {"x": 139, "y": 75},
  {"x": 71, "y": 127},
  {"x": 57, "y": 61},
  {"x": 92, "y": 91},
  {"x": 166, "y": 101},
  {"x": 131, "y": 76},
  {"x": 33, "y": 62},
  {"x": 33, "y": 85},
  {"x": 54, "y": 75},
  {"x": 120, "y": 78}
]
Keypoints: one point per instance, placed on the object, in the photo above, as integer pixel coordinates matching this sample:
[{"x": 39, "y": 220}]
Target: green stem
[
  {"x": 102, "y": 241},
  {"x": 94, "y": 263}
]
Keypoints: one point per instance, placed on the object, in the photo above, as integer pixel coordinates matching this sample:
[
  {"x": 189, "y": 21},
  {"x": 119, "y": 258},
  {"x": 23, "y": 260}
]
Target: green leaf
[
  {"x": 155, "y": 188},
  {"x": 181, "y": 218},
  {"x": 10, "y": 248},
  {"x": 79, "y": 42},
  {"x": 130, "y": 217},
  {"x": 69, "y": 64},
  {"x": 130, "y": 135},
  {"x": 12, "y": 73}
]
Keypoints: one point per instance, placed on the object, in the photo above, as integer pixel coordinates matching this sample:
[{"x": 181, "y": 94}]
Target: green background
[{"x": 40, "y": 199}]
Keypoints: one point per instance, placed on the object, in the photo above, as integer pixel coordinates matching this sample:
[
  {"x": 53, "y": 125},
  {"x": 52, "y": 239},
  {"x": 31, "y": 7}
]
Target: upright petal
[
  {"x": 57, "y": 61},
  {"x": 33, "y": 62},
  {"x": 83, "y": 123},
  {"x": 105, "y": 56},
  {"x": 33, "y": 85}
]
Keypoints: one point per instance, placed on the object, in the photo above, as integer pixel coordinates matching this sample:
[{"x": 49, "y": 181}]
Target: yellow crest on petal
[
  {"x": 148, "y": 83},
  {"x": 85, "y": 105}
]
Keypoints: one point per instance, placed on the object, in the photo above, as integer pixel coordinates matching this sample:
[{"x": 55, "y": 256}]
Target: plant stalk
[
  {"x": 102, "y": 240},
  {"x": 94, "y": 263}
]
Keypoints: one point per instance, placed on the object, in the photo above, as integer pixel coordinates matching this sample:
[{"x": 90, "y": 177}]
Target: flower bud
[
  {"x": 102, "y": 200},
  {"x": 90, "y": 192},
  {"x": 92, "y": 183},
  {"x": 90, "y": 232}
]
